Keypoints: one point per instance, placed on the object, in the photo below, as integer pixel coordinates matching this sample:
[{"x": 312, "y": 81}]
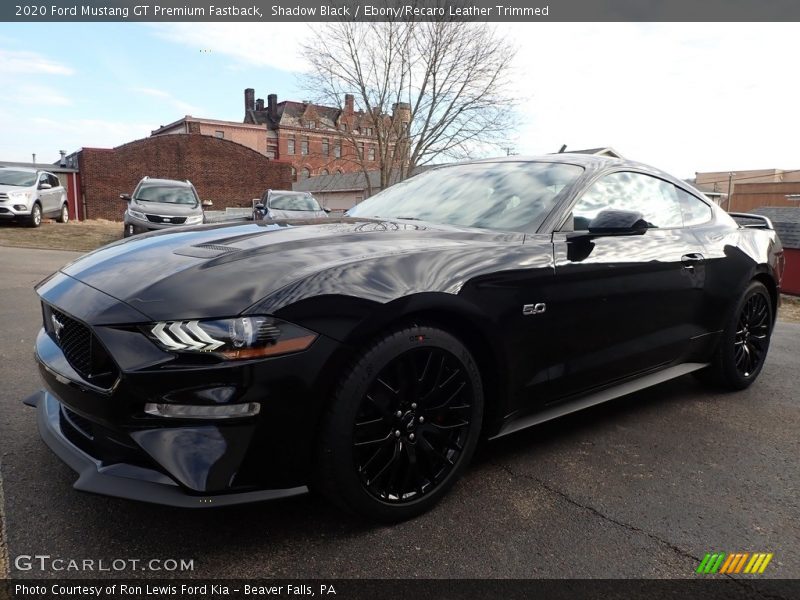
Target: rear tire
[
  {"x": 402, "y": 425},
  {"x": 744, "y": 342},
  {"x": 64, "y": 216},
  {"x": 35, "y": 218}
]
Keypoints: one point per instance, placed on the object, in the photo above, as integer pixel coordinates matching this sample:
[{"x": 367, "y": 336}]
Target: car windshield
[
  {"x": 506, "y": 196},
  {"x": 293, "y": 202},
  {"x": 19, "y": 178},
  {"x": 167, "y": 194}
]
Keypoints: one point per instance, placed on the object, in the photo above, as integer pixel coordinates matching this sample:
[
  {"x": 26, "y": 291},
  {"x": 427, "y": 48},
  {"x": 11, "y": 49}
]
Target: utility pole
[{"x": 730, "y": 189}]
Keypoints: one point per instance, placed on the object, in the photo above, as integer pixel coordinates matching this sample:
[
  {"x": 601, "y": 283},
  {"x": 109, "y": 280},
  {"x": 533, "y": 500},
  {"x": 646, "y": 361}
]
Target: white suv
[{"x": 29, "y": 194}]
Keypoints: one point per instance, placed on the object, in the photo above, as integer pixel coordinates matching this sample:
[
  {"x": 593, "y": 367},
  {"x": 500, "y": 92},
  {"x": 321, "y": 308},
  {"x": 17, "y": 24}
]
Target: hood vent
[{"x": 206, "y": 251}]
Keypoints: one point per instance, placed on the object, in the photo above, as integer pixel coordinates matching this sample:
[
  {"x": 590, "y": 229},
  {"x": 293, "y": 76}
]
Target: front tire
[
  {"x": 402, "y": 426},
  {"x": 744, "y": 344},
  {"x": 35, "y": 218}
]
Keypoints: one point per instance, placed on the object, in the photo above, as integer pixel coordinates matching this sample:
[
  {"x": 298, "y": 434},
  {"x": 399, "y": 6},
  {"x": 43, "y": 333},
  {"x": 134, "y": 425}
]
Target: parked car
[
  {"x": 27, "y": 195},
  {"x": 162, "y": 204},
  {"x": 283, "y": 204},
  {"x": 365, "y": 356}
]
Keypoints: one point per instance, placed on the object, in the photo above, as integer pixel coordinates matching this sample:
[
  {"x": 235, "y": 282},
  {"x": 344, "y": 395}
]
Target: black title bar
[{"x": 282, "y": 11}]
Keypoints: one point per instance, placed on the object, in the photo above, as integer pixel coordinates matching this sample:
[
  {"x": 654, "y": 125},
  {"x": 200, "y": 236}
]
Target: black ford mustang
[{"x": 365, "y": 356}]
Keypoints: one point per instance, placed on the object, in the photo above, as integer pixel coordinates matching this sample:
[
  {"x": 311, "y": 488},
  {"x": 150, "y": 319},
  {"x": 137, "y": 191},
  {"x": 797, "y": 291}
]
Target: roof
[
  {"x": 606, "y": 151},
  {"x": 37, "y": 167},
  {"x": 786, "y": 221},
  {"x": 173, "y": 182},
  {"x": 294, "y": 114}
]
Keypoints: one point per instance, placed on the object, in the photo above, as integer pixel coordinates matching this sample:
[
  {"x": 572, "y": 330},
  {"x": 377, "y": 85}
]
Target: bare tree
[{"x": 428, "y": 90}]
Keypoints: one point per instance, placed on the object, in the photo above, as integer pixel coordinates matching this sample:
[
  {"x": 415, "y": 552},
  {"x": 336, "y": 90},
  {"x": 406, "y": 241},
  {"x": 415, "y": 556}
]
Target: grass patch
[
  {"x": 790, "y": 309},
  {"x": 80, "y": 236}
]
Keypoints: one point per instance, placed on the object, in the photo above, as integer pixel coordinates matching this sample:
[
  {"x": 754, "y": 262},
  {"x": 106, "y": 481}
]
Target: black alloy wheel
[
  {"x": 752, "y": 335},
  {"x": 744, "y": 342},
  {"x": 402, "y": 426},
  {"x": 412, "y": 425}
]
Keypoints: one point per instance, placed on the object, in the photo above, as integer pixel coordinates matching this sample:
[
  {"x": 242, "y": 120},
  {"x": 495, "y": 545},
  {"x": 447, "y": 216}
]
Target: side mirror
[
  {"x": 45, "y": 186},
  {"x": 259, "y": 206},
  {"x": 126, "y": 197},
  {"x": 207, "y": 203},
  {"x": 326, "y": 209},
  {"x": 618, "y": 222}
]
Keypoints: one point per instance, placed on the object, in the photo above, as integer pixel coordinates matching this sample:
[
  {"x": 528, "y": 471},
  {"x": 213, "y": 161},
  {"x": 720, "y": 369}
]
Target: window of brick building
[
  {"x": 305, "y": 173},
  {"x": 290, "y": 146},
  {"x": 326, "y": 150},
  {"x": 272, "y": 151},
  {"x": 337, "y": 150},
  {"x": 304, "y": 146},
  {"x": 219, "y": 134},
  {"x": 324, "y": 172},
  {"x": 361, "y": 149},
  {"x": 372, "y": 153},
  {"x": 312, "y": 124}
]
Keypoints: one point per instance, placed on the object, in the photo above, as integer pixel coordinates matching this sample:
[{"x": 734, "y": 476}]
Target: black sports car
[{"x": 365, "y": 356}]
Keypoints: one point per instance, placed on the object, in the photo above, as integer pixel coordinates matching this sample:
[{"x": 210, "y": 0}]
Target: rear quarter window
[{"x": 694, "y": 210}]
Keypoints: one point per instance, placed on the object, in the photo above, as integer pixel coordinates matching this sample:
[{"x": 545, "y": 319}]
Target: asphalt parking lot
[{"x": 642, "y": 487}]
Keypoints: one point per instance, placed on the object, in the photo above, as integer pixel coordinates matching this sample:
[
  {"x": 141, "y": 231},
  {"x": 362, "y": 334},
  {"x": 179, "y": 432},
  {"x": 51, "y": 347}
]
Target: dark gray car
[
  {"x": 283, "y": 204},
  {"x": 160, "y": 204}
]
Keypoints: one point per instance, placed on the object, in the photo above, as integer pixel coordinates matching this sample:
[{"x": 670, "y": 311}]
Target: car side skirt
[{"x": 592, "y": 399}]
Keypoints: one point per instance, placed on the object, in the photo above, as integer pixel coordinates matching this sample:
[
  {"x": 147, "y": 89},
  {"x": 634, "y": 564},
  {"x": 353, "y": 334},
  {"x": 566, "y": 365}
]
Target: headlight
[
  {"x": 20, "y": 195},
  {"x": 136, "y": 214},
  {"x": 233, "y": 339},
  {"x": 194, "y": 220}
]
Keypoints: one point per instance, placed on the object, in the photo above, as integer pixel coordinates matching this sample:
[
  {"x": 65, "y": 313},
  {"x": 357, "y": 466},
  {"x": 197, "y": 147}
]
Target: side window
[
  {"x": 43, "y": 178},
  {"x": 54, "y": 181},
  {"x": 657, "y": 200},
  {"x": 695, "y": 211}
]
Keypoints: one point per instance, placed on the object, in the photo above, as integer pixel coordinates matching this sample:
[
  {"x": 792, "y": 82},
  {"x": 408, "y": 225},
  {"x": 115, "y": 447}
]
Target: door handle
[{"x": 689, "y": 261}]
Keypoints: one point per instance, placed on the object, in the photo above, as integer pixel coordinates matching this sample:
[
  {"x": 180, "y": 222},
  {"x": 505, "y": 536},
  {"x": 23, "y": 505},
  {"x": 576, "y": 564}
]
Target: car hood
[
  {"x": 166, "y": 209},
  {"x": 221, "y": 270},
  {"x": 297, "y": 214},
  {"x": 15, "y": 188}
]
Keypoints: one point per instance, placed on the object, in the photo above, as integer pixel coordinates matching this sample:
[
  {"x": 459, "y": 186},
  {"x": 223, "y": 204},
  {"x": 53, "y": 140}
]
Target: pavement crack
[{"x": 594, "y": 511}]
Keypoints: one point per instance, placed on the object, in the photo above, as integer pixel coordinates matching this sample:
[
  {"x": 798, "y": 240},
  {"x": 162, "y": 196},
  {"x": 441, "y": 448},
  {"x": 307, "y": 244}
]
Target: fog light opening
[{"x": 196, "y": 411}]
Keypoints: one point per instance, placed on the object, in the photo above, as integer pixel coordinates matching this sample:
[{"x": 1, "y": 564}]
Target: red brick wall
[
  {"x": 791, "y": 273},
  {"x": 224, "y": 172}
]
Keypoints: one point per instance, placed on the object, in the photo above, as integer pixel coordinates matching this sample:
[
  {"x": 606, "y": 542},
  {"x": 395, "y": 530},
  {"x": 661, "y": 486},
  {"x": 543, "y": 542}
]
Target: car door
[
  {"x": 59, "y": 195},
  {"x": 45, "y": 194},
  {"x": 623, "y": 304}
]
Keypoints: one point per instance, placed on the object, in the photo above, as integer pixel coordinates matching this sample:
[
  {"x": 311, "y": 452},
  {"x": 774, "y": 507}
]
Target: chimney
[
  {"x": 272, "y": 106},
  {"x": 349, "y": 101},
  {"x": 249, "y": 99},
  {"x": 63, "y": 161},
  {"x": 260, "y": 104}
]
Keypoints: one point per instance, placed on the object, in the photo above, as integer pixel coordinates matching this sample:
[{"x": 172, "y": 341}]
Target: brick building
[
  {"x": 312, "y": 138},
  {"x": 222, "y": 171}
]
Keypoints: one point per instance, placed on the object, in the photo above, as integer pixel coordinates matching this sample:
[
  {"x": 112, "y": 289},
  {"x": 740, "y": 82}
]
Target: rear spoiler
[{"x": 752, "y": 221}]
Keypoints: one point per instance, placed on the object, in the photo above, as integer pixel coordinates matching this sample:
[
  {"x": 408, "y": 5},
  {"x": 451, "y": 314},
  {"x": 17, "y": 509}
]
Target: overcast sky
[{"x": 683, "y": 97}]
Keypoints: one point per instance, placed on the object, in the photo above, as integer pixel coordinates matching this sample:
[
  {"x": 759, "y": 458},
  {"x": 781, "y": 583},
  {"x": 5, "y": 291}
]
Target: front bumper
[
  {"x": 129, "y": 481},
  {"x": 143, "y": 226},
  {"x": 176, "y": 461}
]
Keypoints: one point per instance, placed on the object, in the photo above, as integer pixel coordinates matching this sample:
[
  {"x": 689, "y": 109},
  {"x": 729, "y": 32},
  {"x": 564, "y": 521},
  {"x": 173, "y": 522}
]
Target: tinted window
[
  {"x": 657, "y": 200},
  {"x": 293, "y": 202},
  {"x": 694, "y": 210},
  {"x": 54, "y": 181},
  {"x": 509, "y": 196},
  {"x": 20, "y": 178},
  {"x": 167, "y": 194}
]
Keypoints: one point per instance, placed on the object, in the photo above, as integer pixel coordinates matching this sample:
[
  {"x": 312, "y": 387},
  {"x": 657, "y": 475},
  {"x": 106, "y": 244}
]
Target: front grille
[
  {"x": 81, "y": 348},
  {"x": 3, "y": 196},
  {"x": 160, "y": 219},
  {"x": 4, "y": 210}
]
